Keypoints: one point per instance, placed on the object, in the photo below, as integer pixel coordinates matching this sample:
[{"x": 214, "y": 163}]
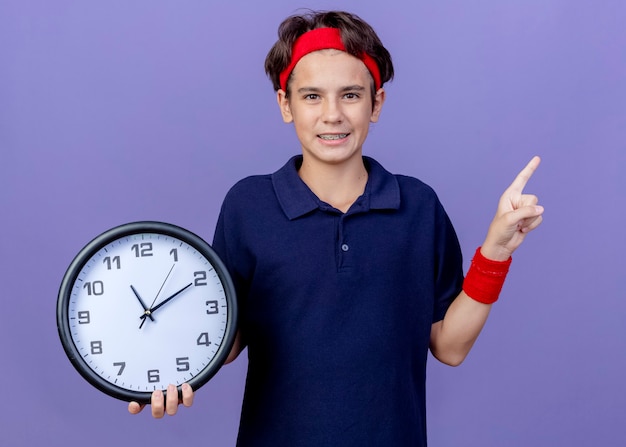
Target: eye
[
  {"x": 311, "y": 97},
  {"x": 351, "y": 95}
]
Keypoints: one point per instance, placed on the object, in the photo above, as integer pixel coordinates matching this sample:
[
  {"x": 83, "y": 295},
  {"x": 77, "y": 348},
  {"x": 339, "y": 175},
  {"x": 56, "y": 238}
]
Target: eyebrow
[{"x": 348, "y": 88}]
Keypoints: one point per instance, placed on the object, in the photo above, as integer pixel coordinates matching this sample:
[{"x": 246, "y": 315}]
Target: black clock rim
[{"x": 105, "y": 238}]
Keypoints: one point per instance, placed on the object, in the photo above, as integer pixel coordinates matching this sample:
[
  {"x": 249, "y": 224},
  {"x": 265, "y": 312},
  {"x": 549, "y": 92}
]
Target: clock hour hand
[
  {"x": 149, "y": 312},
  {"x": 143, "y": 305},
  {"x": 146, "y": 312}
]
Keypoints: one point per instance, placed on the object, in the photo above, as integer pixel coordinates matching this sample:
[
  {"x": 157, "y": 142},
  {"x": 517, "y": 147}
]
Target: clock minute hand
[{"x": 149, "y": 312}]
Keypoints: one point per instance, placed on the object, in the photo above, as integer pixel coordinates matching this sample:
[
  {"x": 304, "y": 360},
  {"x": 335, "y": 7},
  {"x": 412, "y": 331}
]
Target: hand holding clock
[{"x": 161, "y": 403}]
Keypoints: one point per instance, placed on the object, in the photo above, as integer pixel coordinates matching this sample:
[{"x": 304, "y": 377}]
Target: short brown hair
[{"x": 358, "y": 37}]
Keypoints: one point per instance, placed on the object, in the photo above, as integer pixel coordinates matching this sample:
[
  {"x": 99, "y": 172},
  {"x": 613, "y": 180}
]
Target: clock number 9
[{"x": 83, "y": 317}]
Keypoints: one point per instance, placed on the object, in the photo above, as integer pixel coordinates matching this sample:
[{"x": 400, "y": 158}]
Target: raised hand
[{"x": 516, "y": 216}]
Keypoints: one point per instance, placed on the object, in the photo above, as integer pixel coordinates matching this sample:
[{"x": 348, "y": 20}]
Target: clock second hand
[
  {"x": 148, "y": 311},
  {"x": 164, "y": 281}
]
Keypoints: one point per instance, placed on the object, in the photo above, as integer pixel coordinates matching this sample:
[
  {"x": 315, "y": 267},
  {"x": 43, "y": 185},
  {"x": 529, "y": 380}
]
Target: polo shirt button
[{"x": 345, "y": 247}]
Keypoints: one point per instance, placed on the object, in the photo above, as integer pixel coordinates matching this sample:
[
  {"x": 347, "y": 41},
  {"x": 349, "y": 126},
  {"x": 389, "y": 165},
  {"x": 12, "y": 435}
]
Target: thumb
[
  {"x": 135, "y": 408},
  {"x": 525, "y": 218}
]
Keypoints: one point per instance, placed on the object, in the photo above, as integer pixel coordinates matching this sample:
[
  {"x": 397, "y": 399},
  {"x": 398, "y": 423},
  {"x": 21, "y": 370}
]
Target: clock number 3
[{"x": 212, "y": 307}]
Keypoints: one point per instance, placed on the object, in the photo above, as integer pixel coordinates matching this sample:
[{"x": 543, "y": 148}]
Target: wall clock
[{"x": 144, "y": 305}]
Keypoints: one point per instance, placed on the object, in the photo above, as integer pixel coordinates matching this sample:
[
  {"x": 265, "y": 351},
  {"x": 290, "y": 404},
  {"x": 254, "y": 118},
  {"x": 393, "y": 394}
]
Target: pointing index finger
[{"x": 525, "y": 174}]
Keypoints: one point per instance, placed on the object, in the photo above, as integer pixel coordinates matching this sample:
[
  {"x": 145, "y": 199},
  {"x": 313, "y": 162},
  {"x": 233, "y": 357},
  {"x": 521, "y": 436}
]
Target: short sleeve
[{"x": 448, "y": 264}]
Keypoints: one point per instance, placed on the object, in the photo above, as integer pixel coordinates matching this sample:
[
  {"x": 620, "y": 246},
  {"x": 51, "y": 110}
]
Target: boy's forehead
[{"x": 327, "y": 64}]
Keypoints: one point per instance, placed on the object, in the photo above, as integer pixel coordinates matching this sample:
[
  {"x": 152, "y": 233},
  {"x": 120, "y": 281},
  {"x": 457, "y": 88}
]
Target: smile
[{"x": 337, "y": 136}]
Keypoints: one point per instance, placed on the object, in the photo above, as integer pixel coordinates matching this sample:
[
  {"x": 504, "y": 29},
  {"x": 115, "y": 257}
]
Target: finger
[
  {"x": 518, "y": 217},
  {"x": 525, "y": 174},
  {"x": 135, "y": 408},
  {"x": 157, "y": 404},
  {"x": 171, "y": 400},
  {"x": 530, "y": 224},
  {"x": 528, "y": 200},
  {"x": 187, "y": 395}
]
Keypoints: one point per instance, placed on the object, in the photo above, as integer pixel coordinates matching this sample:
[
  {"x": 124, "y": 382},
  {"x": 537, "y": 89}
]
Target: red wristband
[{"x": 485, "y": 278}]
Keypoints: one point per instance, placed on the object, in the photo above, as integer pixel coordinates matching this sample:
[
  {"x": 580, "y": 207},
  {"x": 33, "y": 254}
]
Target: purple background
[{"x": 115, "y": 111}]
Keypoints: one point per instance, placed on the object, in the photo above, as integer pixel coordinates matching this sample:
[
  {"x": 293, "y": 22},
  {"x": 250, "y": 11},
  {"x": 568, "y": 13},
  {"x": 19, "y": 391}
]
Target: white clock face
[{"x": 147, "y": 310}]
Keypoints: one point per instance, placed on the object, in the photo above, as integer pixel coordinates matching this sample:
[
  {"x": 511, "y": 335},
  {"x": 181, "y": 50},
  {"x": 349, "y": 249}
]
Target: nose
[{"x": 331, "y": 111}]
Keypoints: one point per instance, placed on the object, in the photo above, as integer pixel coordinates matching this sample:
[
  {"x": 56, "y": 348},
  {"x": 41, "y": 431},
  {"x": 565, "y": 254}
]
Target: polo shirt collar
[{"x": 296, "y": 199}]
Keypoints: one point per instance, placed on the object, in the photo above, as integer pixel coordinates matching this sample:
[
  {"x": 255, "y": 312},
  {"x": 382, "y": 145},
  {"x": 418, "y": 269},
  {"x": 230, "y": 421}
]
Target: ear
[
  {"x": 379, "y": 99},
  {"x": 283, "y": 104}
]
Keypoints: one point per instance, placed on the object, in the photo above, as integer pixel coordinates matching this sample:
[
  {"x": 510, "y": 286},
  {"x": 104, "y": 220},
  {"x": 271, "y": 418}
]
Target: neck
[{"x": 338, "y": 185}]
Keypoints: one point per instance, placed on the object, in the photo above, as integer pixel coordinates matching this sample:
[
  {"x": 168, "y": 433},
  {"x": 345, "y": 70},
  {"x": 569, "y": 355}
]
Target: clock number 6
[{"x": 153, "y": 376}]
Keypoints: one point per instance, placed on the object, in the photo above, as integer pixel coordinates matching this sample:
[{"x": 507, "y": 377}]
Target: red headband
[{"x": 322, "y": 39}]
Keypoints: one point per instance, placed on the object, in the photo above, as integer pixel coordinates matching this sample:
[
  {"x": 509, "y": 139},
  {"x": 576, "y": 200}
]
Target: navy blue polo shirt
[{"x": 336, "y": 308}]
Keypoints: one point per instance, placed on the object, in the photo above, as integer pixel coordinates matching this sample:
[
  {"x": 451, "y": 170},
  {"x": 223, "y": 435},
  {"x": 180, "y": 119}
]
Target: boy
[{"x": 346, "y": 274}]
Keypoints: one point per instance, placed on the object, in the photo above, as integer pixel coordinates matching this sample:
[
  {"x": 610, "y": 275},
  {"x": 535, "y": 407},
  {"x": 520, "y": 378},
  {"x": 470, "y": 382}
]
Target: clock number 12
[{"x": 142, "y": 250}]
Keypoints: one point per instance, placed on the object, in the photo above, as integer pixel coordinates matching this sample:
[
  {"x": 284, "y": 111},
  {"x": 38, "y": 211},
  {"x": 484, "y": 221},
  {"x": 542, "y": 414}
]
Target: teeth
[{"x": 334, "y": 137}]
